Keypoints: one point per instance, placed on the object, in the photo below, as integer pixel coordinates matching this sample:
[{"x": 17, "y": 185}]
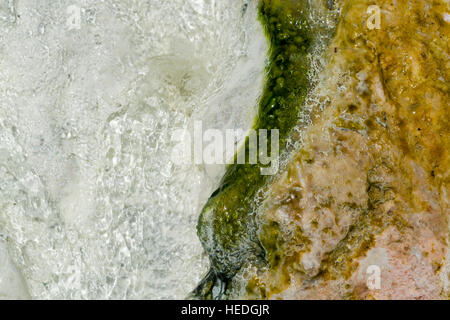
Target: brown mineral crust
[{"x": 370, "y": 183}]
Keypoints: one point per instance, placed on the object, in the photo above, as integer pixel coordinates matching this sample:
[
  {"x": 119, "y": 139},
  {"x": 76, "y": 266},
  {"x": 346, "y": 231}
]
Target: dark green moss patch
[{"x": 227, "y": 225}]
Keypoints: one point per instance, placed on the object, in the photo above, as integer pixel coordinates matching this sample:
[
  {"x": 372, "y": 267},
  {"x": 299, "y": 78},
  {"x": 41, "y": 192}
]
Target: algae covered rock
[
  {"x": 360, "y": 210},
  {"x": 228, "y": 225}
]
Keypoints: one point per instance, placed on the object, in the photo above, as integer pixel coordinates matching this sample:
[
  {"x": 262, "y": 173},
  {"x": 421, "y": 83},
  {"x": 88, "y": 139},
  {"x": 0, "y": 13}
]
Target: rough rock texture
[{"x": 368, "y": 190}]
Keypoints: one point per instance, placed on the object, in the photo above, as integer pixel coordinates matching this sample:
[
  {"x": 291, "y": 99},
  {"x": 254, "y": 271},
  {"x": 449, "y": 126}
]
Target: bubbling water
[{"x": 91, "y": 204}]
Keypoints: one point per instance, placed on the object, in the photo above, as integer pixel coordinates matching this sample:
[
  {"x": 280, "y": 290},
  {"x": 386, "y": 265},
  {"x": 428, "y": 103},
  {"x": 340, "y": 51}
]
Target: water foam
[{"x": 91, "y": 204}]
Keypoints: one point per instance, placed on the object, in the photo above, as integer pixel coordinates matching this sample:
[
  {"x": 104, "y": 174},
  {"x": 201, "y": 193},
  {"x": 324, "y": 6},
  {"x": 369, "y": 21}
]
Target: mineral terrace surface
[{"x": 360, "y": 208}]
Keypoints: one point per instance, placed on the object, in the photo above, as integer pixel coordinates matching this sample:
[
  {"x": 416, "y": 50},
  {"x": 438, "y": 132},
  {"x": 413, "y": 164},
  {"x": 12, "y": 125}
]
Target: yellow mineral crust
[{"x": 367, "y": 193}]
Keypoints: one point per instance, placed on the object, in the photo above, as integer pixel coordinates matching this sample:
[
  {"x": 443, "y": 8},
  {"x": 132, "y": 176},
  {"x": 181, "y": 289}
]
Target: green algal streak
[{"x": 227, "y": 225}]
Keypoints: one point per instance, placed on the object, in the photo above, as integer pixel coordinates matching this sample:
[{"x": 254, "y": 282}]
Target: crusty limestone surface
[{"x": 367, "y": 193}]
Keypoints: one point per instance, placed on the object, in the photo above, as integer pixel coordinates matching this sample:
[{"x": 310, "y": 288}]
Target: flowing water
[{"x": 92, "y": 204}]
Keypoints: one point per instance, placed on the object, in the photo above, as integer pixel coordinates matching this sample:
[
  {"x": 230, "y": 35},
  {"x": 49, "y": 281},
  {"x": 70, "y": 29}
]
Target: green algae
[
  {"x": 373, "y": 217},
  {"x": 227, "y": 226}
]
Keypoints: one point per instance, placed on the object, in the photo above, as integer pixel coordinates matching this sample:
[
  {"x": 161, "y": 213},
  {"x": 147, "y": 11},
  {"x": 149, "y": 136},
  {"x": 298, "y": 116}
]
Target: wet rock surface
[{"x": 361, "y": 209}]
